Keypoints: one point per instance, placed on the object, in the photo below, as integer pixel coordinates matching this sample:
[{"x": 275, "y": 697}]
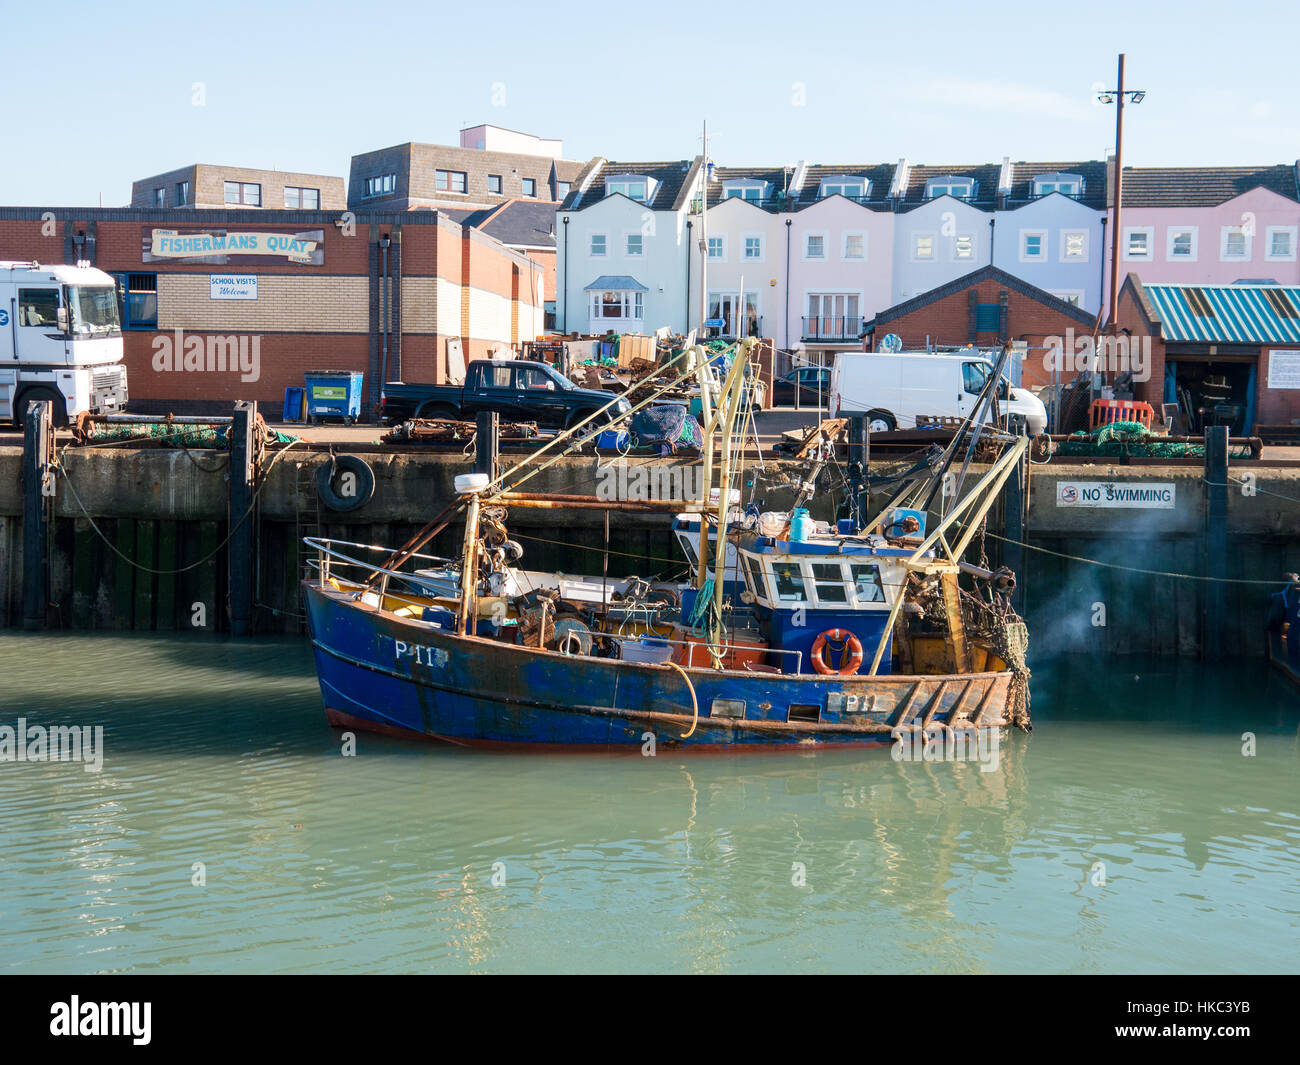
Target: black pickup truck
[{"x": 518, "y": 390}]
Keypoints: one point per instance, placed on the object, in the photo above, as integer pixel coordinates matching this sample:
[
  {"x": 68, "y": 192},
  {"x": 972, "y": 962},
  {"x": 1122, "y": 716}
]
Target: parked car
[
  {"x": 804, "y": 386},
  {"x": 518, "y": 390},
  {"x": 895, "y": 390}
]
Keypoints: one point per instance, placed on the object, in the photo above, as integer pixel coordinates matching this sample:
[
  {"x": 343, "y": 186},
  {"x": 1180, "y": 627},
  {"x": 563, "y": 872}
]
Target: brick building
[
  {"x": 394, "y": 295},
  {"x": 409, "y": 176},
  {"x": 1226, "y": 354},
  {"x": 201, "y": 185},
  {"x": 986, "y": 308}
]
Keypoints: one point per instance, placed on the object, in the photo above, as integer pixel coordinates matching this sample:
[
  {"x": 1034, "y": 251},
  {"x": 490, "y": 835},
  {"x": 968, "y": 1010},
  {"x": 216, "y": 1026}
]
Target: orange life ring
[{"x": 850, "y": 663}]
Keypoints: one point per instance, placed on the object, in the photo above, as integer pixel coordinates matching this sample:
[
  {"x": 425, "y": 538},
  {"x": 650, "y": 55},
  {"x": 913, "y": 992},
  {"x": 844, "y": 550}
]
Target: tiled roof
[
  {"x": 1093, "y": 172},
  {"x": 1203, "y": 186},
  {"x": 779, "y": 178},
  {"x": 1226, "y": 314},
  {"x": 522, "y": 223},
  {"x": 985, "y": 174},
  {"x": 670, "y": 190},
  {"x": 879, "y": 174},
  {"x": 984, "y": 273}
]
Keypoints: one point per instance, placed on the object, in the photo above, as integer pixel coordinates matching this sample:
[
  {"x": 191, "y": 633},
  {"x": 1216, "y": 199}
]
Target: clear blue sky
[{"x": 104, "y": 93}]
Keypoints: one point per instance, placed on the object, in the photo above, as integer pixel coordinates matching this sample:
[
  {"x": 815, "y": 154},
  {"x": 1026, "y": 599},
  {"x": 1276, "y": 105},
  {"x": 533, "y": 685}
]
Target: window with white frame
[
  {"x": 1181, "y": 245},
  {"x": 922, "y": 247},
  {"x": 855, "y": 188},
  {"x": 1074, "y": 246},
  {"x": 1033, "y": 245},
  {"x": 814, "y": 246},
  {"x": 961, "y": 187},
  {"x": 1139, "y": 243},
  {"x": 1235, "y": 244},
  {"x": 753, "y": 247},
  {"x": 1280, "y": 243},
  {"x": 1066, "y": 184},
  {"x": 635, "y": 244},
  {"x": 618, "y": 304},
  {"x": 745, "y": 189},
  {"x": 963, "y": 247},
  {"x": 718, "y": 249},
  {"x": 599, "y": 244},
  {"x": 855, "y": 247},
  {"x": 633, "y": 186}
]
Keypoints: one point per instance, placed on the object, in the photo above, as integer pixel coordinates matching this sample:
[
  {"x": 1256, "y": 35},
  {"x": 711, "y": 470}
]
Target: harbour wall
[{"x": 138, "y": 540}]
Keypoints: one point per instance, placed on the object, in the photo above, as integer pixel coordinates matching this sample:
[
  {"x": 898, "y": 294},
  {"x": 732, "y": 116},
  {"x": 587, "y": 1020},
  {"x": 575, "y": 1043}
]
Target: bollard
[
  {"x": 38, "y": 457},
  {"x": 243, "y": 480},
  {"x": 1214, "y": 636}
]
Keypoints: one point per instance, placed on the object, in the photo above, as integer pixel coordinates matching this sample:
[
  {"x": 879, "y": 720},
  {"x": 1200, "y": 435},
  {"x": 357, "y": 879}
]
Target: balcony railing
[{"x": 837, "y": 328}]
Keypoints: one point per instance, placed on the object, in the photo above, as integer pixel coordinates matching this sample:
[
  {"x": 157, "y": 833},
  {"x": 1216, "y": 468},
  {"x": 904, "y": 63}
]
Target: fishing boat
[{"x": 789, "y": 633}]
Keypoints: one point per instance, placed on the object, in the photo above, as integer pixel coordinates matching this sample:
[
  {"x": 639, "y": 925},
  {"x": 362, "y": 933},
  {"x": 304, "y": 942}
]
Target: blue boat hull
[{"x": 389, "y": 674}]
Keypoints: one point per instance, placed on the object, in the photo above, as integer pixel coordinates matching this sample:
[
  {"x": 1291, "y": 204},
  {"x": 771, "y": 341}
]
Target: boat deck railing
[{"x": 328, "y": 556}]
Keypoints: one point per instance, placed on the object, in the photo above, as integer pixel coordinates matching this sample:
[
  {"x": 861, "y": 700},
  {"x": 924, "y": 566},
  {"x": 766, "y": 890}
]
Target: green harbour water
[{"x": 1128, "y": 833}]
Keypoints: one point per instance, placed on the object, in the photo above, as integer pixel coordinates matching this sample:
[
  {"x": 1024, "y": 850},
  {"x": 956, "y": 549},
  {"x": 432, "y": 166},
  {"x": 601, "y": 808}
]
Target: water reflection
[{"x": 1128, "y": 832}]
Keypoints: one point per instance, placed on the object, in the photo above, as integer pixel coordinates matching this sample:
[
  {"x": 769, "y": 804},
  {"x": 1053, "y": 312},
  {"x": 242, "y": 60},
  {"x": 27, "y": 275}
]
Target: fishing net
[
  {"x": 1132, "y": 438},
  {"x": 668, "y": 427}
]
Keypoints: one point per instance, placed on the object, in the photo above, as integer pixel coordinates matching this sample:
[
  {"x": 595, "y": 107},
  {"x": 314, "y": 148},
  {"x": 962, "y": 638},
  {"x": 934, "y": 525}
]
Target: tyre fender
[{"x": 336, "y": 471}]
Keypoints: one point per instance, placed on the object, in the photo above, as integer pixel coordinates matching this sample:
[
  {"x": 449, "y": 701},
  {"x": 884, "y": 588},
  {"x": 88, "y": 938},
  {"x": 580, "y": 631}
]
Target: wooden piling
[
  {"x": 243, "y": 478},
  {"x": 38, "y": 455},
  {"x": 1214, "y": 635}
]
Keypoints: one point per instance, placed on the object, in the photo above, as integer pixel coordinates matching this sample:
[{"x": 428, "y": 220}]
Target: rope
[
  {"x": 206, "y": 558},
  {"x": 695, "y": 703},
  {"x": 700, "y": 611}
]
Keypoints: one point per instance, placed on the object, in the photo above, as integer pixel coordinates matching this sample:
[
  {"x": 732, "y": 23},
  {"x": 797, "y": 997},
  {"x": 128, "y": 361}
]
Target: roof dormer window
[
  {"x": 855, "y": 188},
  {"x": 746, "y": 189},
  {"x": 1066, "y": 184},
  {"x": 634, "y": 186},
  {"x": 961, "y": 187}
]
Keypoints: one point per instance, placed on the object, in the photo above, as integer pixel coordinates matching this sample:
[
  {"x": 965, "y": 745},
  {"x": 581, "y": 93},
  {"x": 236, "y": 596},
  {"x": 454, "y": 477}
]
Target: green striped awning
[{"x": 1227, "y": 314}]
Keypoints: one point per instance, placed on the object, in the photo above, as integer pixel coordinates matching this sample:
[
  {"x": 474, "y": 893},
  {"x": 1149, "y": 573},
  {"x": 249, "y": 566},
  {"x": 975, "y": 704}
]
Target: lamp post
[{"x": 1118, "y": 96}]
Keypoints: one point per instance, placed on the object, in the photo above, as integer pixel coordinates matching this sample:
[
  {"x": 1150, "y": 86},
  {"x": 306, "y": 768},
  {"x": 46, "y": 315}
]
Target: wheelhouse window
[
  {"x": 867, "y": 585},
  {"x": 828, "y": 580},
  {"x": 790, "y": 587},
  {"x": 757, "y": 584}
]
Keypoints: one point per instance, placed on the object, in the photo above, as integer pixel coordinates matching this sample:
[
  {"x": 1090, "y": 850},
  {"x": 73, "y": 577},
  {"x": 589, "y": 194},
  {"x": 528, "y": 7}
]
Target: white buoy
[{"x": 471, "y": 483}]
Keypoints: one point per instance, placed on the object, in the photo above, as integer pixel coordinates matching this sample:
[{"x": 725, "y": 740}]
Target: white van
[{"x": 896, "y": 389}]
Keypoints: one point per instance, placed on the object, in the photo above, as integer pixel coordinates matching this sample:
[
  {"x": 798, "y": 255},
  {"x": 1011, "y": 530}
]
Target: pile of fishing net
[
  {"x": 1132, "y": 438},
  {"x": 172, "y": 434},
  {"x": 669, "y": 427}
]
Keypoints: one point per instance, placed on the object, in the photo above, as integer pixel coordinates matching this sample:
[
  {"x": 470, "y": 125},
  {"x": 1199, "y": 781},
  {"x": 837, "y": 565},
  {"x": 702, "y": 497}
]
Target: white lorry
[
  {"x": 61, "y": 340},
  {"x": 895, "y": 390}
]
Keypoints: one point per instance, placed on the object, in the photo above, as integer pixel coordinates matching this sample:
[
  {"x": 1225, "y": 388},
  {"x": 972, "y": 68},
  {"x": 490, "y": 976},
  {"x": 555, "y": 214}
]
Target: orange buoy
[{"x": 850, "y": 659}]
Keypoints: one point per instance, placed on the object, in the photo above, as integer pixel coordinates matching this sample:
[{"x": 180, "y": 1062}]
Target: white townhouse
[
  {"x": 1042, "y": 222},
  {"x": 623, "y": 246}
]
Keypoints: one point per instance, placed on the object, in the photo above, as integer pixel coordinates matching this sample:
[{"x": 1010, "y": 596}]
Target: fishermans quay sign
[
  {"x": 218, "y": 246},
  {"x": 1142, "y": 495}
]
